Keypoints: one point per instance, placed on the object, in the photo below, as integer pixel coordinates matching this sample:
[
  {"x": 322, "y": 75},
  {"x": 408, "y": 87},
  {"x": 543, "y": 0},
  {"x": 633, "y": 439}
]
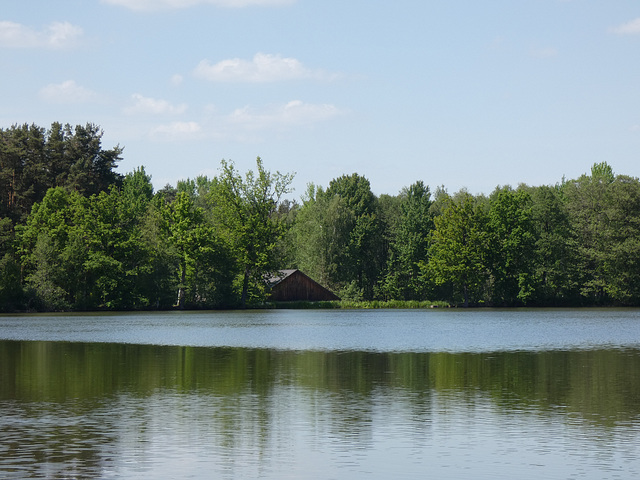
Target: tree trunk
[
  {"x": 181, "y": 292},
  {"x": 245, "y": 288}
]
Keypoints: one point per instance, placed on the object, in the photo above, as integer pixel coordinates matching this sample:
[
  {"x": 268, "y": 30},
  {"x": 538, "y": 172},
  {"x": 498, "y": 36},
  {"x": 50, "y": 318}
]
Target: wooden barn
[{"x": 293, "y": 285}]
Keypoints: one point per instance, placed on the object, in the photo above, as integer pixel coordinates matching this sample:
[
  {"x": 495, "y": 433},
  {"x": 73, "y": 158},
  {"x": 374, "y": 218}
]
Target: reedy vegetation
[{"x": 76, "y": 235}]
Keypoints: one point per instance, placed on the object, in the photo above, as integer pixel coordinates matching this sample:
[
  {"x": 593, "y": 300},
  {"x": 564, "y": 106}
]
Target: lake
[{"x": 322, "y": 394}]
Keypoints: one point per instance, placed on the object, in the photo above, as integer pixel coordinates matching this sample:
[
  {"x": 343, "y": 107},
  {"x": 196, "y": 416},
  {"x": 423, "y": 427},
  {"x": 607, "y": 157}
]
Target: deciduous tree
[
  {"x": 410, "y": 245},
  {"x": 458, "y": 252},
  {"x": 511, "y": 245},
  {"x": 245, "y": 208}
]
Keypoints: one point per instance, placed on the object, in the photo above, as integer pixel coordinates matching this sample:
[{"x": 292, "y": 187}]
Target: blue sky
[{"x": 464, "y": 93}]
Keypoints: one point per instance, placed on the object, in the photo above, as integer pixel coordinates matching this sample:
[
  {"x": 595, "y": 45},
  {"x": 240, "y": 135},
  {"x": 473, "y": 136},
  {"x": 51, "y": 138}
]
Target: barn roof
[
  {"x": 292, "y": 284},
  {"x": 275, "y": 278}
]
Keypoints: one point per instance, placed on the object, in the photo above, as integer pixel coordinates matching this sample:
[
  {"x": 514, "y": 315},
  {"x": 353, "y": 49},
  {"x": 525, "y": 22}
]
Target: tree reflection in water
[{"x": 107, "y": 410}]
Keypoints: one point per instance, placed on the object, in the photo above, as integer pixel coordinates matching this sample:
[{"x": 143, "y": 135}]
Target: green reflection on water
[
  {"x": 76, "y": 409},
  {"x": 598, "y": 384}
]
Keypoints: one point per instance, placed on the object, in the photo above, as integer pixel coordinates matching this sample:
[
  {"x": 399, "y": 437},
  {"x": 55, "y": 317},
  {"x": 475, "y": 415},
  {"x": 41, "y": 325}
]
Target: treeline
[
  {"x": 76, "y": 235},
  {"x": 576, "y": 243}
]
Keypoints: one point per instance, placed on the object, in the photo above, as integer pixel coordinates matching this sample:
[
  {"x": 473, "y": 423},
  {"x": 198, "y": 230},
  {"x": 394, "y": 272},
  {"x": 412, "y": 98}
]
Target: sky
[{"x": 462, "y": 94}]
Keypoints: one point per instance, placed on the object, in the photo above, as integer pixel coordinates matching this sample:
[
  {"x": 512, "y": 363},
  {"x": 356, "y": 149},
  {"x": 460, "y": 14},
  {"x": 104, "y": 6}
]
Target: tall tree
[
  {"x": 32, "y": 160},
  {"x": 587, "y": 199},
  {"x": 119, "y": 259},
  {"x": 91, "y": 167},
  {"x": 321, "y": 229},
  {"x": 88, "y": 253},
  {"x": 554, "y": 255},
  {"x": 23, "y": 169},
  {"x": 246, "y": 209},
  {"x": 410, "y": 245},
  {"x": 359, "y": 256},
  {"x": 622, "y": 241},
  {"x": 10, "y": 287},
  {"x": 458, "y": 253},
  {"x": 191, "y": 238},
  {"x": 512, "y": 238},
  {"x": 53, "y": 250}
]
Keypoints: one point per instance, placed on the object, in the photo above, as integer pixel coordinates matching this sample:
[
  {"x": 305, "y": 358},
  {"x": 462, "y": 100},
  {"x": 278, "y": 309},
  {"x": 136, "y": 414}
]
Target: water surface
[
  {"x": 378, "y": 330},
  {"x": 551, "y": 394}
]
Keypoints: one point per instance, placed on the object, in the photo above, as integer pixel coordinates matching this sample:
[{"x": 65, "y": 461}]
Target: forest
[{"x": 77, "y": 235}]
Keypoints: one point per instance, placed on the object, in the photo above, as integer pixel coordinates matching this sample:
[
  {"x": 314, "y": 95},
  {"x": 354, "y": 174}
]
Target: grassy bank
[{"x": 353, "y": 305}]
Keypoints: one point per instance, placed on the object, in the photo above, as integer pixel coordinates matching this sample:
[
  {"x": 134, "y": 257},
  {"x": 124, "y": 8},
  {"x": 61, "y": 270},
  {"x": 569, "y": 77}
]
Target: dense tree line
[
  {"x": 574, "y": 243},
  {"x": 74, "y": 234},
  {"x": 33, "y": 160}
]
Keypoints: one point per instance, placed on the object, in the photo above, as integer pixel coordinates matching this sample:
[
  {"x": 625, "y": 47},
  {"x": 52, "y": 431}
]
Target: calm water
[{"x": 442, "y": 394}]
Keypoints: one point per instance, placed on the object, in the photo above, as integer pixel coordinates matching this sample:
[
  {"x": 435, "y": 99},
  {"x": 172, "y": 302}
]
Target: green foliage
[
  {"x": 340, "y": 238},
  {"x": 409, "y": 246},
  {"x": 586, "y": 205},
  {"x": 11, "y": 293},
  {"x": 76, "y": 235},
  {"x": 81, "y": 252},
  {"x": 246, "y": 211},
  {"x": 621, "y": 255},
  {"x": 321, "y": 229},
  {"x": 511, "y": 241},
  {"x": 553, "y": 257},
  {"x": 390, "y": 304},
  {"x": 602, "y": 172},
  {"x": 201, "y": 260},
  {"x": 33, "y": 160},
  {"x": 51, "y": 249},
  {"x": 357, "y": 304},
  {"x": 159, "y": 285},
  {"x": 459, "y": 243},
  {"x": 6, "y": 236}
]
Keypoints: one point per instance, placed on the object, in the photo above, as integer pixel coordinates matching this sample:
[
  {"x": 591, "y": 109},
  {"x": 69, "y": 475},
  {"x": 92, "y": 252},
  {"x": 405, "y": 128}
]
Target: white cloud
[
  {"x": 176, "y": 79},
  {"x": 153, "y": 106},
  {"x": 153, "y": 5},
  {"x": 262, "y": 68},
  {"x": 177, "y": 131},
  {"x": 61, "y": 35},
  {"x": 635, "y": 128},
  {"x": 291, "y": 114},
  {"x": 67, "y": 92},
  {"x": 57, "y": 35},
  {"x": 248, "y": 124},
  {"x": 629, "y": 28}
]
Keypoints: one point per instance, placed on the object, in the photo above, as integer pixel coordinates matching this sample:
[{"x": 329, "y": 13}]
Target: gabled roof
[
  {"x": 277, "y": 277},
  {"x": 292, "y": 285}
]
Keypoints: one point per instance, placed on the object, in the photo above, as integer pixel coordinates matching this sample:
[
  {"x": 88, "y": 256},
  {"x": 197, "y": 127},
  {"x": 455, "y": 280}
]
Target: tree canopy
[
  {"x": 33, "y": 160},
  {"x": 76, "y": 235}
]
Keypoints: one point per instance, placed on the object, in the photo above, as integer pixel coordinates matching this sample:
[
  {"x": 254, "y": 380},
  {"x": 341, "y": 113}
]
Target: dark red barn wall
[{"x": 298, "y": 286}]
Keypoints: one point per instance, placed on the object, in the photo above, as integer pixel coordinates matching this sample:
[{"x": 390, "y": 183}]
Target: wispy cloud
[
  {"x": 177, "y": 131},
  {"x": 153, "y": 106},
  {"x": 154, "y": 5},
  {"x": 248, "y": 124},
  {"x": 57, "y": 35},
  {"x": 629, "y": 28},
  {"x": 67, "y": 92},
  {"x": 293, "y": 113},
  {"x": 262, "y": 68}
]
